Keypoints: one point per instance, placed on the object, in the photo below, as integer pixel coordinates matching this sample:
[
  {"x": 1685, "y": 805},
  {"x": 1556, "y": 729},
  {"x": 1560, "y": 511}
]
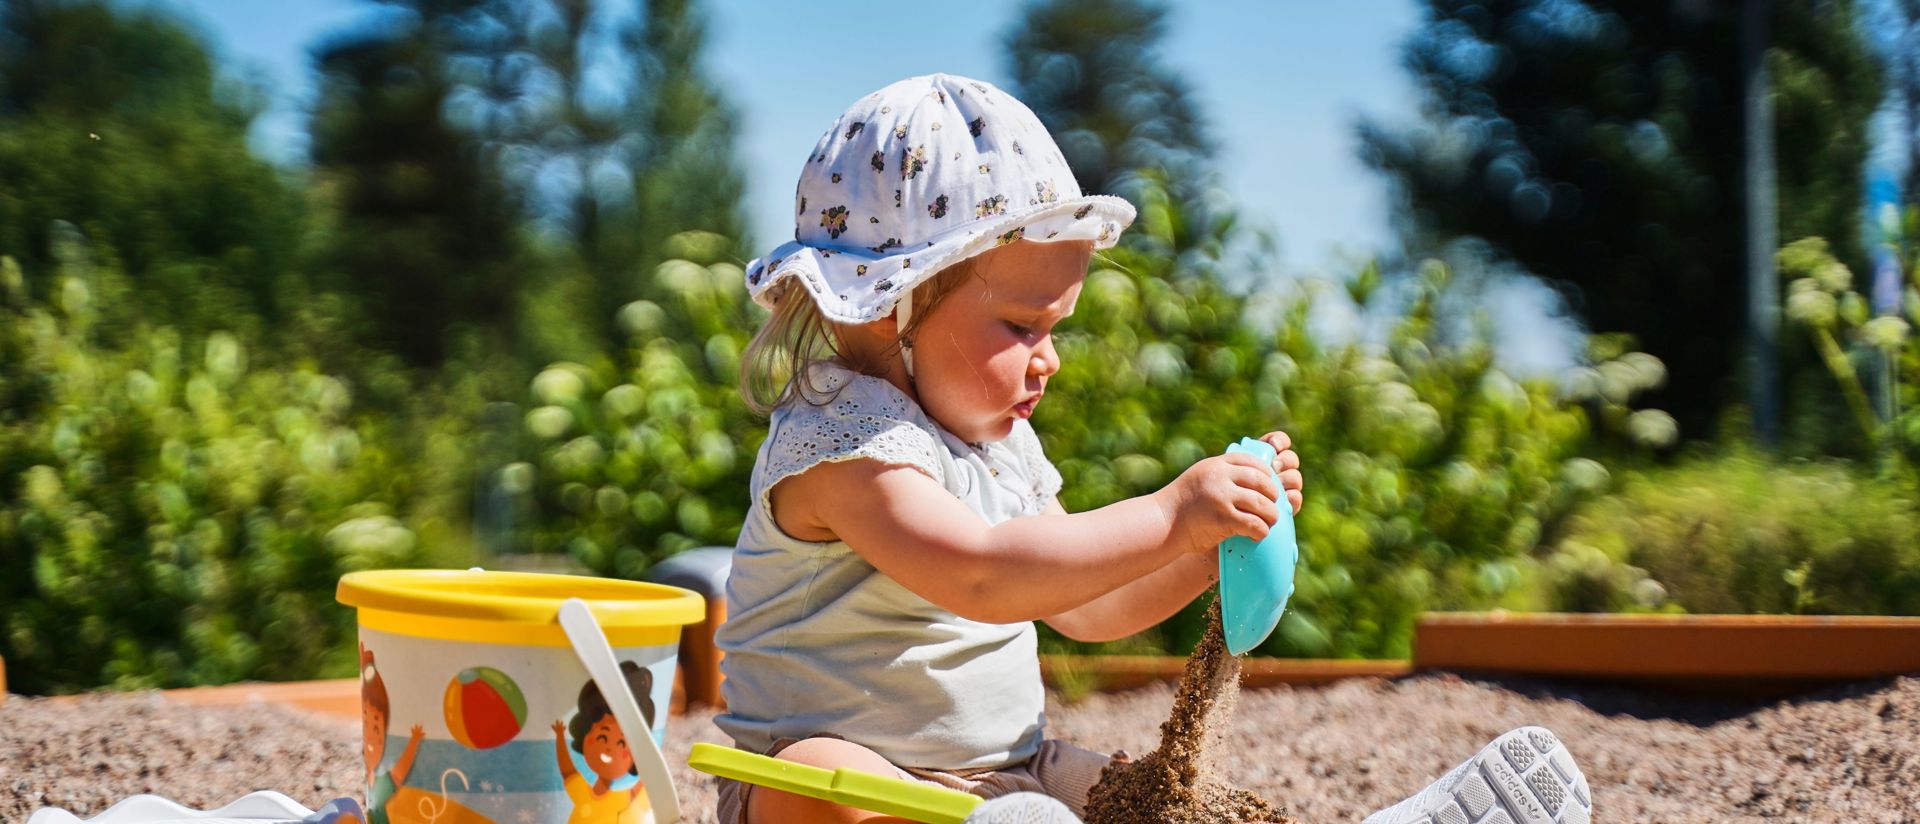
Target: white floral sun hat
[{"x": 923, "y": 173}]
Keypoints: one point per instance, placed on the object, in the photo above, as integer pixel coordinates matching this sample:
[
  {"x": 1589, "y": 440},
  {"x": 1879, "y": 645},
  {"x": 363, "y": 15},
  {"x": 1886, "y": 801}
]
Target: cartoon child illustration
[
  {"x": 389, "y": 799},
  {"x": 598, "y": 736},
  {"x": 375, "y": 712}
]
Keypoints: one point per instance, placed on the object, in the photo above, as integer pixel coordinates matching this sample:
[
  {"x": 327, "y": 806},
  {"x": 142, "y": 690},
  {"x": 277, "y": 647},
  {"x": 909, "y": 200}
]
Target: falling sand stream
[{"x": 1174, "y": 784}]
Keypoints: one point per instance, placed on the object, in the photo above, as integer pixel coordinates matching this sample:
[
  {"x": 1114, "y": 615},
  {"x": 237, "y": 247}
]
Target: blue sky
[{"x": 1282, "y": 82}]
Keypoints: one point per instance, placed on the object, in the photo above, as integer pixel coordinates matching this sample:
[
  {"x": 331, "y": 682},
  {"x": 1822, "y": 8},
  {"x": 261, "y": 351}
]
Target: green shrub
[
  {"x": 1739, "y": 534},
  {"x": 171, "y": 514},
  {"x": 634, "y": 457},
  {"x": 1858, "y": 347}
]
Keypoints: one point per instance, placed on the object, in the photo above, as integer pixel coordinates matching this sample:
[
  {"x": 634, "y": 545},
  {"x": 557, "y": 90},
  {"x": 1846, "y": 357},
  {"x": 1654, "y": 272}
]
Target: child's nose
[{"x": 1046, "y": 361}]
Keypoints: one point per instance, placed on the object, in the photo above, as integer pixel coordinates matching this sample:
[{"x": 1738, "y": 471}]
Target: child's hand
[
  {"x": 1218, "y": 498},
  {"x": 560, "y": 728},
  {"x": 1286, "y": 462},
  {"x": 418, "y": 732}
]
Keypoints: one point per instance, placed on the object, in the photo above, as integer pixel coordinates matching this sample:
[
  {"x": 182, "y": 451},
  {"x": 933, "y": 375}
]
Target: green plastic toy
[{"x": 854, "y": 788}]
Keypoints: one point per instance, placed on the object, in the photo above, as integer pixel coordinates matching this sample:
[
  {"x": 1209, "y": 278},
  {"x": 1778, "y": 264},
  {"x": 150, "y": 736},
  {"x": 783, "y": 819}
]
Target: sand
[{"x": 1331, "y": 754}]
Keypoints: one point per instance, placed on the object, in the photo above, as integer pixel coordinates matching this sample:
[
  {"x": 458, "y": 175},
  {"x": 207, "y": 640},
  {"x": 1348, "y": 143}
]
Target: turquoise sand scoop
[{"x": 1256, "y": 578}]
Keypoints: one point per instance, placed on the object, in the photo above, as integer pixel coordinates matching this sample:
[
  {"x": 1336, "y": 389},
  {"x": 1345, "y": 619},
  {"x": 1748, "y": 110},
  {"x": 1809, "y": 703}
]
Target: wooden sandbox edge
[
  {"x": 1734, "y": 654},
  {"x": 1120, "y": 672}
]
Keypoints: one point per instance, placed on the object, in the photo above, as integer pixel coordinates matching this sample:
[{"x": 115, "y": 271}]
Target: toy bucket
[{"x": 501, "y": 696}]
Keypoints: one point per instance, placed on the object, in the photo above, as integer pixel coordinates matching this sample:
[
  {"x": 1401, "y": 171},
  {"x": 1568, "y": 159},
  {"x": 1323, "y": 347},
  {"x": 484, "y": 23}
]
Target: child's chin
[
  {"x": 997, "y": 431},
  {"x": 991, "y": 430}
]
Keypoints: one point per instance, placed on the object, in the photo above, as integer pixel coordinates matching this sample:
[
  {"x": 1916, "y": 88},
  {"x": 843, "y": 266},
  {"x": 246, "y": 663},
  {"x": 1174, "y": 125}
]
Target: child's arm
[
  {"x": 909, "y": 527},
  {"x": 1140, "y": 603},
  {"x": 1149, "y": 600},
  {"x": 404, "y": 765},
  {"x": 567, "y": 769}
]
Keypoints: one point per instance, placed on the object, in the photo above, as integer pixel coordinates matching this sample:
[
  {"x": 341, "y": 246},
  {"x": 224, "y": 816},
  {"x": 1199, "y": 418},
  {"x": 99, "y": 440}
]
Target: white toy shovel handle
[{"x": 591, "y": 645}]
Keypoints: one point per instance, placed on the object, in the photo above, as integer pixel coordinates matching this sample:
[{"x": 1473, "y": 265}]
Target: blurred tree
[
  {"x": 1127, "y": 123},
  {"x": 1598, "y": 144},
  {"x": 112, "y": 119},
  {"x": 424, "y": 228},
  {"x": 580, "y": 129},
  {"x": 685, "y": 175},
  {"x": 617, "y": 140}
]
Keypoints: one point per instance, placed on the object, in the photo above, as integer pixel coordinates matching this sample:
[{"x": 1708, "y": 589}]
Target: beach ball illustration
[{"x": 484, "y": 707}]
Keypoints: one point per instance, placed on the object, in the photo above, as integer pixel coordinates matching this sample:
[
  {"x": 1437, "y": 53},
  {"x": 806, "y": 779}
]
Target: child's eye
[{"x": 1017, "y": 329}]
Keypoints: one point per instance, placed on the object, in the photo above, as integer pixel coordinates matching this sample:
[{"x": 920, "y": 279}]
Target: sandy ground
[{"x": 1327, "y": 753}]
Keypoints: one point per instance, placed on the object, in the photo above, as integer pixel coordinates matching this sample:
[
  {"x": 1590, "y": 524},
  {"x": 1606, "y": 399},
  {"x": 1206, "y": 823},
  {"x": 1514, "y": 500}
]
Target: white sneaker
[
  {"x": 1022, "y": 808},
  {"x": 1523, "y": 777}
]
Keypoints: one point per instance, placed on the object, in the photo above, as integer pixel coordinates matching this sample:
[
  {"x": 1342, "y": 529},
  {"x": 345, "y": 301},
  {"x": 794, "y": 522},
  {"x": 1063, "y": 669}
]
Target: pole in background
[{"x": 1763, "y": 285}]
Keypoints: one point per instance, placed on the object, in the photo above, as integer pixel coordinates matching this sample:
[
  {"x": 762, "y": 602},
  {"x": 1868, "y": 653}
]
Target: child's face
[
  {"x": 984, "y": 354},
  {"x": 373, "y": 735},
  {"x": 606, "y": 749}
]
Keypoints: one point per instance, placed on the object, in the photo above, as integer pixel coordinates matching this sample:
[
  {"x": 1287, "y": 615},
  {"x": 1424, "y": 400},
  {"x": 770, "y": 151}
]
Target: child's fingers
[
  {"x": 1257, "y": 478},
  {"x": 1292, "y": 479},
  {"x": 1251, "y": 526},
  {"x": 1296, "y": 498},
  {"x": 1280, "y": 440},
  {"x": 1261, "y": 507},
  {"x": 1244, "y": 459},
  {"x": 1287, "y": 459}
]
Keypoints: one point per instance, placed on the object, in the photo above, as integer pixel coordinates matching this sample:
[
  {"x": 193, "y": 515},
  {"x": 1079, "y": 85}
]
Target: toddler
[{"x": 904, "y": 533}]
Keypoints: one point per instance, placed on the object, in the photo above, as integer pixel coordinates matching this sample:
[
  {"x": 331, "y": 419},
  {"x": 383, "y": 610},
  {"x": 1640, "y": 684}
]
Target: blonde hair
[{"x": 777, "y": 366}]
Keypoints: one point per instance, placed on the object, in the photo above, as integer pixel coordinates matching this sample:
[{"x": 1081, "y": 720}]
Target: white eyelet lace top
[{"x": 817, "y": 640}]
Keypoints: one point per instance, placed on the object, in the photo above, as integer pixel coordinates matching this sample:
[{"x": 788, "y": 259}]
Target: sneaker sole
[{"x": 1523, "y": 777}]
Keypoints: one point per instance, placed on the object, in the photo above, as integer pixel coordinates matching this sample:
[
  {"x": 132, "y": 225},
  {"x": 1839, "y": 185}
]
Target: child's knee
[
  {"x": 768, "y": 806},
  {"x": 834, "y": 753}
]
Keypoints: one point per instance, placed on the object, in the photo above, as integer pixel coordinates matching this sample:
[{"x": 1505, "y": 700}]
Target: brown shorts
[{"x": 1058, "y": 769}]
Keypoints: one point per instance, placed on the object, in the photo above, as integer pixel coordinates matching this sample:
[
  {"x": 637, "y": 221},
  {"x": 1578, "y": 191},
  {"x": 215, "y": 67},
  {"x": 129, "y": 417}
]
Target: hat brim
[{"x": 846, "y": 293}]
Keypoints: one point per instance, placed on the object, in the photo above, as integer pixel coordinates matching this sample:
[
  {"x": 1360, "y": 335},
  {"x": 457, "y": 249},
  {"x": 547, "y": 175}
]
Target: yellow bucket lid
[{"x": 518, "y": 597}]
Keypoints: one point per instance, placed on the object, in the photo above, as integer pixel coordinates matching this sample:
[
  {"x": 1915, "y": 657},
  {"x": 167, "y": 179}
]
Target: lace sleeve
[
  {"x": 1046, "y": 478},
  {"x": 857, "y": 424}
]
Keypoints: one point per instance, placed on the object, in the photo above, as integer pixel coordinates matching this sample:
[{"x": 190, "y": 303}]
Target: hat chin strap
[{"x": 903, "y": 312}]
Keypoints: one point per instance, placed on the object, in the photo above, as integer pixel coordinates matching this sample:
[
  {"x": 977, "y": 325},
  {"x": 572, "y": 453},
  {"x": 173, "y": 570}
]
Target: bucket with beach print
[{"x": 499, "y": 697}]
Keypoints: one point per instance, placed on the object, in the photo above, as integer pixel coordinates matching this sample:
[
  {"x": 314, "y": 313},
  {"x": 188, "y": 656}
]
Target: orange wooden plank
[
  {"x": 1816, "y": 647},
  {"x": 337, "y": 697}
]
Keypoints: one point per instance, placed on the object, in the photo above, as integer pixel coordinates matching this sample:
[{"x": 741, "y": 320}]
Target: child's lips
[{"x": 1024, "y": 408}]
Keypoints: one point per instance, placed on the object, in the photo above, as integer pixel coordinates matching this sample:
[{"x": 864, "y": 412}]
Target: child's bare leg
[{"x": 770, "y": 806}]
